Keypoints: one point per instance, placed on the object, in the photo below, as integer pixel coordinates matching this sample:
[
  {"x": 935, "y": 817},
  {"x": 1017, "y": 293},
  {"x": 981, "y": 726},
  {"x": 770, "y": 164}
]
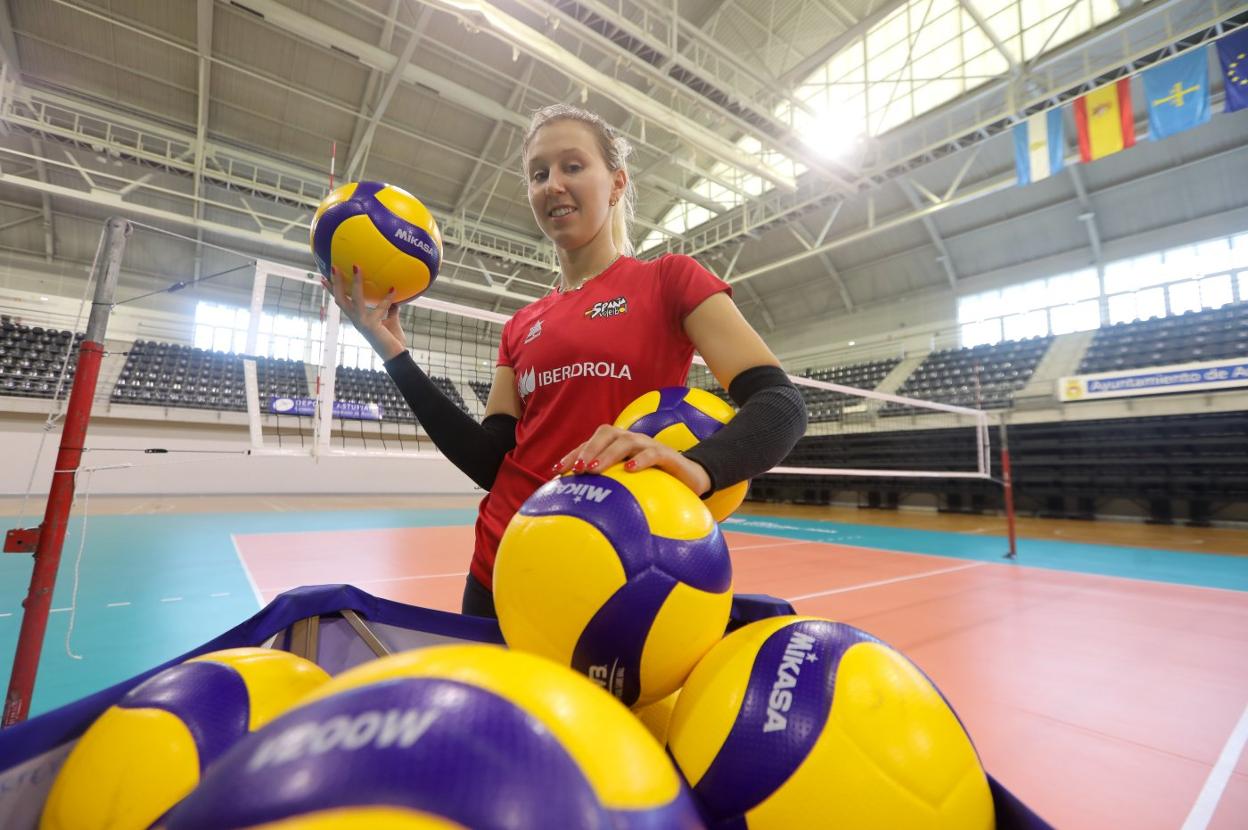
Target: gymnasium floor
[{"x": 1104, "y": 676}]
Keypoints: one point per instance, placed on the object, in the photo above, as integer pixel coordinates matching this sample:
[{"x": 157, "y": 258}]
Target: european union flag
[
  {"x": 1177, "y": 92},
  {"x": 1233, "y": 53}
]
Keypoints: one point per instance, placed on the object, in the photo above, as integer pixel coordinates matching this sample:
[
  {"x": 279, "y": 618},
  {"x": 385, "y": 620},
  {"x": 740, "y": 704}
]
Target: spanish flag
[{"x": 1105, "y": 121}]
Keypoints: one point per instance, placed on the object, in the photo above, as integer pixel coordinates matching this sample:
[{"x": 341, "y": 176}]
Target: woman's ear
[{"x": 619, "y": 183}]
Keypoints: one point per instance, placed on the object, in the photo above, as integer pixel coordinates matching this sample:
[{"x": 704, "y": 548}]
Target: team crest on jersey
[
  {"x": 526, "y": 383},
  {"x": 534, "y": 332},
  {"x": 608, "y": 308}
]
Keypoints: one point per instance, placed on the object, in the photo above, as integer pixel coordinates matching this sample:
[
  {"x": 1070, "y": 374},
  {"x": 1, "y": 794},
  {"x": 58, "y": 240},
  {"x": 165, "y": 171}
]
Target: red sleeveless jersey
[{"x": 579, "y": 359}]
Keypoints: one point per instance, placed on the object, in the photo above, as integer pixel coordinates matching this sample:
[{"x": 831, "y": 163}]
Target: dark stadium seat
[
  {"x": 372, "y": 386},
  {"x": 981, "y": 377},
  {"x": 169, "y": 374},
  {"x": 1194, "y": 337},
  {"x": 31, "y": 359},
  {"x": 828, "y": 405}
]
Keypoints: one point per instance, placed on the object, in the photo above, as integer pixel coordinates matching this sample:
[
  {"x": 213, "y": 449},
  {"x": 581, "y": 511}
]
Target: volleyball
[
  {"x": 149, "y": 750},
  {"x": 680, "y": 417},
  {"x": 447, "y": 736},
  {"x": 623, "y": 576},
  {"x": 657, "y": 717},
  {"x": 385, "y": 231},
  {"x": 793, "y": 717}
]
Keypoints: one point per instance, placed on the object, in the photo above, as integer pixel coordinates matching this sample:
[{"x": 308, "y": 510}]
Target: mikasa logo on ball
[
  {"x": 412, "y": 239},
  {"x": 797, "y": 652},
  {"x": 393, "y": 727},
  {"x": 583, "y": 491}
]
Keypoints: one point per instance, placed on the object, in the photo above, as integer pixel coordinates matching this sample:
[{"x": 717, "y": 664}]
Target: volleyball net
[
  {"x": 244, "y": 378},
  {"x": 251, "y": 357}
]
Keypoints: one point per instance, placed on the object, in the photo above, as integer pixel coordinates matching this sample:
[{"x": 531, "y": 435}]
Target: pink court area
[{"x": 1101, "y": 702}]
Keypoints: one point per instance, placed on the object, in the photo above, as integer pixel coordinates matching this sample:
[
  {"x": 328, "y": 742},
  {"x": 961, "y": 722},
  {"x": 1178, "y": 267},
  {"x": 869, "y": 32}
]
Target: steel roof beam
[
  {"x": 296, "y": 250},
  {"x": 361, "y": 146},
  {"x": 803, "y": 69},
  {"x": 533, "y": 43},
  {"x": 909, "y": 188},
  {"x": 778, "y": 134}
]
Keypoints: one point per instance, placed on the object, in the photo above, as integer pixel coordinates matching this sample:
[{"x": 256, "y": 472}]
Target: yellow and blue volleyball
[
  {"x": 679, "y": 417},
  {"x": 470, "y": 736},
  {"x": 623, "y": 576},
  {"x": 792, "y": 718},
  {"x": 384, "y": 231},
  {"x": 149, "y": 750}
]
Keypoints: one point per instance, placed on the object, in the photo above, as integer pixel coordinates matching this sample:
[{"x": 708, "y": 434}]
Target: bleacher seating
[
  {"x": 168, "y": 374},
  {"x": 983, "y": 377},
  {"x": 1213, "y": 334},
  {"x": 827, "y": 405},
  {"x": 1179, "y": 466},
  {"x": 372, "y": 386},
  {"x": 448, "y": 388},
  {"x": 481, "y": 389},
  {"x": 31, "y": 358}
]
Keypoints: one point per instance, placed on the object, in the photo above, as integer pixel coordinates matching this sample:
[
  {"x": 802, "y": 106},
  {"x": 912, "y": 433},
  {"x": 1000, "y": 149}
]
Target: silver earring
[{"x": 612, "y": 202}]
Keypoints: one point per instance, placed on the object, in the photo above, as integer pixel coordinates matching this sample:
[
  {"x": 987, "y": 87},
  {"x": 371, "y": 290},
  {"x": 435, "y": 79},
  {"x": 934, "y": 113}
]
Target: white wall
[{"x": 185, "y": 473}]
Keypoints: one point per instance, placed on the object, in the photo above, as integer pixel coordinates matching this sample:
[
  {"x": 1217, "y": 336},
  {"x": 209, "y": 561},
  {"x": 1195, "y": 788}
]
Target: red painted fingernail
[
  {"x": 579, "y": 466},
  {"x": 593, "y": 465},
  {"x": 630, "y": 464}
]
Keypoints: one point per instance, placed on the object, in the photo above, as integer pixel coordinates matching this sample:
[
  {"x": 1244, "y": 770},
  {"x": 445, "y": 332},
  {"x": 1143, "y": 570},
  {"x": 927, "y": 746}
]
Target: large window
[
  {"x": 1057, "y": 305},
  {"x": 1178, "y": 280},
  {"x": 223, "y": 328},
  {"x": 921, "y": 55}
]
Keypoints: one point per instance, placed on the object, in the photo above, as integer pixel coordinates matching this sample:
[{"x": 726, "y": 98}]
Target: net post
[
  {"x": 323, "y": 425},
  {"x": 38, "y": 600},
  {"x": 251, "y": 383},
  {"x": 1007, "y": 485}
]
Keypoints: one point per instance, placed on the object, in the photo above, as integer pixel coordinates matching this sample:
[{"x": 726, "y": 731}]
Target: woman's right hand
[{"x": 379, "y": 324}]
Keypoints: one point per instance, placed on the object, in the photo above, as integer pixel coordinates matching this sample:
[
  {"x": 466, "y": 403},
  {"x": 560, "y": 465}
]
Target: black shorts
[{"x": 478, "y": 601}]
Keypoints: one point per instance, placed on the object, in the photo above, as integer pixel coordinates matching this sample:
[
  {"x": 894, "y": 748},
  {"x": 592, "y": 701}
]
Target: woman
[{"x": 613, "y": 329}]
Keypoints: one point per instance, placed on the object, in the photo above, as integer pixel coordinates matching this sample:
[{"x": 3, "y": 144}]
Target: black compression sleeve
[
  {"x": 769, "y": 423},
  {"x": 477, "y": 449}
]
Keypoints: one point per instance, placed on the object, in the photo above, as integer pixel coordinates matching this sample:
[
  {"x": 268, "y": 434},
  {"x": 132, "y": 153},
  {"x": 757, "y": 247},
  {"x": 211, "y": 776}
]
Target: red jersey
[{"x": 579, "y": 359}]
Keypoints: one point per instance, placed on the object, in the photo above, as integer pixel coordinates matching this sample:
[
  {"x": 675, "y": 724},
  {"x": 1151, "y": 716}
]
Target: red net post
[
  {"x": 1007, "y": 484},
  {"x": 51, "y": 535}
]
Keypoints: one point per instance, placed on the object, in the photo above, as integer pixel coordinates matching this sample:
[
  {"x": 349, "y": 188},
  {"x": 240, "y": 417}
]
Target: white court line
[
  {"x": 358, "y": 582},
  {"x": 59, "y": 610},
  {"x": 116, "y": 604},
  {"x": 171, "y": 599},
  {"x": 735, "y": 548},
  {"x": 895, "y": 579},
  {"x": 1215, "y": 784},
  {"x": 220, "y": 594},
  {"x": 255, "y": 592},
  {"x": 7, "y": 614}
]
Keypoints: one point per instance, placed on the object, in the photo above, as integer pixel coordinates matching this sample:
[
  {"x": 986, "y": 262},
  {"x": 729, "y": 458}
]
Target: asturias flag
[
  {"x": 1039, "y": 146},
  {"x": 1105, "y": 121},
  {"x": 1233, "y": 53},
  {"x": 1177, "y": 92}
]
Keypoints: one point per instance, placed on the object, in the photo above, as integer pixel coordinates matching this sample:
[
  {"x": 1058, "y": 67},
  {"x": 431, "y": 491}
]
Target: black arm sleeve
[
  {"x": 477, "y": 449},
  {"x": 772, "y": 417}
]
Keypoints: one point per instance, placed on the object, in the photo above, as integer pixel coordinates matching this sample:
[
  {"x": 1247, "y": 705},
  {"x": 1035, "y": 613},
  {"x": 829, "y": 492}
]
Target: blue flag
[
  {"x": 1177, "y": 92},
  {"x": 1039, "y": 146},
  {"x": 1233, "y": 53}
]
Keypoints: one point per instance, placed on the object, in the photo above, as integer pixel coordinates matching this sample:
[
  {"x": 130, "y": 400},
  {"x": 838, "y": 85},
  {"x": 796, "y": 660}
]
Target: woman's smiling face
[{"x": 570, "y": 186}]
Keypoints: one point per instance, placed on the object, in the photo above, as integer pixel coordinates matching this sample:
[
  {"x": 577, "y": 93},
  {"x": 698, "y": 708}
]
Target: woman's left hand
[{"x": 610, "y": 445}]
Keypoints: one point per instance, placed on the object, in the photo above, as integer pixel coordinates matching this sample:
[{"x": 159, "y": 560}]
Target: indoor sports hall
[{"x": 1000, "y": 248}]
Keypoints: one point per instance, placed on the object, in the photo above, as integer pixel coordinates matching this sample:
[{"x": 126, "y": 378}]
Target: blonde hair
[{"x": 614, "y": 148}]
